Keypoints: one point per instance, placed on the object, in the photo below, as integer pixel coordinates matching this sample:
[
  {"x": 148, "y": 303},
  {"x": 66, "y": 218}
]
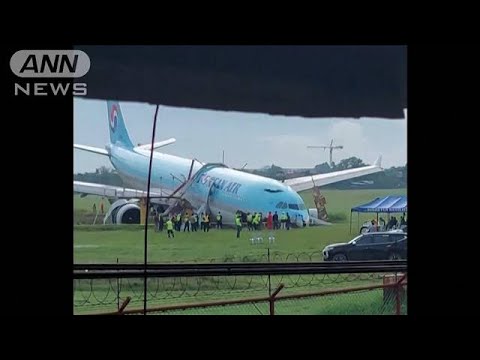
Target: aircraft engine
[
  {"x": 124, "y": 212},
  {"x": 128, "y": 214}
]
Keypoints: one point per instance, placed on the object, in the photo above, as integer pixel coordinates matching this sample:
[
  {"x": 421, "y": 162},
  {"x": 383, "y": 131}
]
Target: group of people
[
  {"x": 191, "y": 221},
  {"x": 272, "y": 221},
  {"x": 188, "y": 220},
  {"x": 392, "y": 224}
]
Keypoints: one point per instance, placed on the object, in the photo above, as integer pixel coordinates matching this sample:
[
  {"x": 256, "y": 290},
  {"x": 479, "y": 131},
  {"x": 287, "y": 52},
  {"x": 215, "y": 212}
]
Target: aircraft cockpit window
[
  {"x": 280, "y": 205},
  {"x": 293, "y": 206},
  {"x": 273, "y": 191},
  {"x": 302, "y": 207}
]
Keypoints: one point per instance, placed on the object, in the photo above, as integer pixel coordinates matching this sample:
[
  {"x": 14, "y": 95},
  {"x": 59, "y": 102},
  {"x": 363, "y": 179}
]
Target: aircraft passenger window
[
  {"x": 273, "y": 191},
  {"x": 293, "y": 206}
]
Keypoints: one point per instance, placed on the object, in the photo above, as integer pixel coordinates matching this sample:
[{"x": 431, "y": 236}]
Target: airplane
[
  {"x": 210, "y": 187},
  {"x": 361, "y": 183}
]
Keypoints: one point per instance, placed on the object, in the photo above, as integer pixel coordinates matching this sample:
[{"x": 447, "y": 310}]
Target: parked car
[{"x": 390, "y": 245}]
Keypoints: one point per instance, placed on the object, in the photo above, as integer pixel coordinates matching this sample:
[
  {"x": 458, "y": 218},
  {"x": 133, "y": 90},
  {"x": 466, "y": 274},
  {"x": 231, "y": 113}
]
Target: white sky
[{"x": 256, "y": 139}]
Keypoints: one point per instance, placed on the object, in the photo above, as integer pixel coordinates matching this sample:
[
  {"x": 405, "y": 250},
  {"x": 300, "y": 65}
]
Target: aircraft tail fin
[{"x": 118, "y": 131}]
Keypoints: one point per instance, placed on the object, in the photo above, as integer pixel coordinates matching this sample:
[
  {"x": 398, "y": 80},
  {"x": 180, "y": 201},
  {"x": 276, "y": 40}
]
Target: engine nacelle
[
  {"x": 128, "y": 214},
  {"x": 123, "y": 212}
]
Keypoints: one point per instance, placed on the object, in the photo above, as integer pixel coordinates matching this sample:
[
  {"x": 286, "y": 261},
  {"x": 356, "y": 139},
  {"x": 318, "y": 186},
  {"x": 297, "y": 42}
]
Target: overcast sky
[{"x": 256, "y": 139}]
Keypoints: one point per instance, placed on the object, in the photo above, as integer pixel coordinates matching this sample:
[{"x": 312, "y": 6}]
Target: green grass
[
  {"x": 106, "y": 244},
  {"x": 356, "y": 303},
  {"x": 165, "y": 292},
  {"x": 86, "y": 203}
]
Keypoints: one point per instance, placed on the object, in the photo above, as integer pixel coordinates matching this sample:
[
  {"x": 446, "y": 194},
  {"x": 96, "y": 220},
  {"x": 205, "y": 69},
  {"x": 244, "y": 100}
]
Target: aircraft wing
[
  {"x": 113, "y": 191},
  {"x": 156, "y": 145},
  {"x": 92, "y": 149},
  {"x": 308, "y": 182}
]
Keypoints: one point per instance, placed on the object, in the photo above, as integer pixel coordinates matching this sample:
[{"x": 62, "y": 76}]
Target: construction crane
[{"x": 331, "y": 147}]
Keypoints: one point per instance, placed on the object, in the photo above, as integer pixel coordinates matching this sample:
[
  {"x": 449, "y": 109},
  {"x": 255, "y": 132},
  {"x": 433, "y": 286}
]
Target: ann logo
[
  {"x": 50, "y": 63},
  {"x": 52, "y": 66}
]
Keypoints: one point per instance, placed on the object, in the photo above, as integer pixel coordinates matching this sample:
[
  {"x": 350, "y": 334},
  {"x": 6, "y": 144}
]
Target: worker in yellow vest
[
  {"x": 283, "y": 220},
  {"x": 186, "y": 220},
  {"x": 256, "y": 221},
  {"x": 249, "y": 221},
  {"x": 238, "y": 222},
  {"x": 170, "y": 228},
  {"x": 202, "y": 223}
]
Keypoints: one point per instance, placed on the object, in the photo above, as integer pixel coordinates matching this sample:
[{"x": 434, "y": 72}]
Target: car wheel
[
  {"x": 394, "y": 256},
  {"x": 339, "y": 257}
]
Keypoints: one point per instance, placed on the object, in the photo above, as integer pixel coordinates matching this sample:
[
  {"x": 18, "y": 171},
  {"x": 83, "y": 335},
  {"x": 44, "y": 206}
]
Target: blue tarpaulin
[{"x": 387, "y": 204}]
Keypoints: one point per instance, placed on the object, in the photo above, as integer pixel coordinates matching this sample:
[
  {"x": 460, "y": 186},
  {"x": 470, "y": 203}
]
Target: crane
[{"x": 331, "y": 147}]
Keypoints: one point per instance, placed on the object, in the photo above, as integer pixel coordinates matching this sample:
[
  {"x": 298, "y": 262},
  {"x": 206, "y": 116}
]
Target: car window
[
  {"x": 364, "y": 240},
  {"x": 383, "y": 238}
]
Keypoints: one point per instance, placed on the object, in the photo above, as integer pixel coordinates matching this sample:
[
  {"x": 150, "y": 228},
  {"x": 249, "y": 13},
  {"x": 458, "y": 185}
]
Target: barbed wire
[
  {"x": 107, "y": 292},
  {"x": 275, "y": 256},
  {"x": 94, "y": 293}
]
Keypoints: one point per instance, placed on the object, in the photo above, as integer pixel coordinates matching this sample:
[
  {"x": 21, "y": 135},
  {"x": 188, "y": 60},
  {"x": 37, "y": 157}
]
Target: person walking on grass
[{"x": 170, "y": 228}]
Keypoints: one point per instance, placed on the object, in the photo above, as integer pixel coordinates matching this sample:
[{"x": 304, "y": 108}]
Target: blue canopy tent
[{"x": 387, "y": 204}]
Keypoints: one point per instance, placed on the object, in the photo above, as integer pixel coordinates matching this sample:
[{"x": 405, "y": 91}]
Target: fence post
[
  {"x": 124, "y": 305},
  {"x": 399, "y": 288},
  {"x": 118, "y": 292},
  {"x": 269, "y": 280},
  {"x": 271, "y": 300}
]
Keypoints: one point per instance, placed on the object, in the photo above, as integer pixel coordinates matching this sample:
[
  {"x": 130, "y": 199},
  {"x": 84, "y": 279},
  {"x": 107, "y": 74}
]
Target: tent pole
[
  {"x": 350, "y": 222},
  {"x": 378, "y": 227},
  {"x": 358, "y": 220}
]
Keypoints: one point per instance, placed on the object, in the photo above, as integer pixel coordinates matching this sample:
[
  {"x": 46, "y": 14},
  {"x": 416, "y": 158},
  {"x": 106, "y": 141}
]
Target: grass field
[{"x": 106, "y": 244}]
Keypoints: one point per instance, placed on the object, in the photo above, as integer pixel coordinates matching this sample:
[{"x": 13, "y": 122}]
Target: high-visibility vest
[
  {"x": 169, "y": 225},
  {"x": 178, "y": 217},
  {"x": 219, "y": 217},
  {"x": 238, "y": 221},
  {"x": 249, "y": 218}
]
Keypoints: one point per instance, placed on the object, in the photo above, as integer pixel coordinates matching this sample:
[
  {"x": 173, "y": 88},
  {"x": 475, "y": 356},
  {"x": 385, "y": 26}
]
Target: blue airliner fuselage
[{"x": 226, "y": 190}]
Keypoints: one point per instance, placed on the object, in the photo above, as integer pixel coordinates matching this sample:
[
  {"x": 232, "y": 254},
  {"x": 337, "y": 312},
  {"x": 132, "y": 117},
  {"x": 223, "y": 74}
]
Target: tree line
[{"x": 392, "y": 178}]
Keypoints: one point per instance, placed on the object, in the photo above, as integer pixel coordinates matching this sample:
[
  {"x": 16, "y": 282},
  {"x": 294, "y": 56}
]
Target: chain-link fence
[{"x": 364, "y": 293}]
